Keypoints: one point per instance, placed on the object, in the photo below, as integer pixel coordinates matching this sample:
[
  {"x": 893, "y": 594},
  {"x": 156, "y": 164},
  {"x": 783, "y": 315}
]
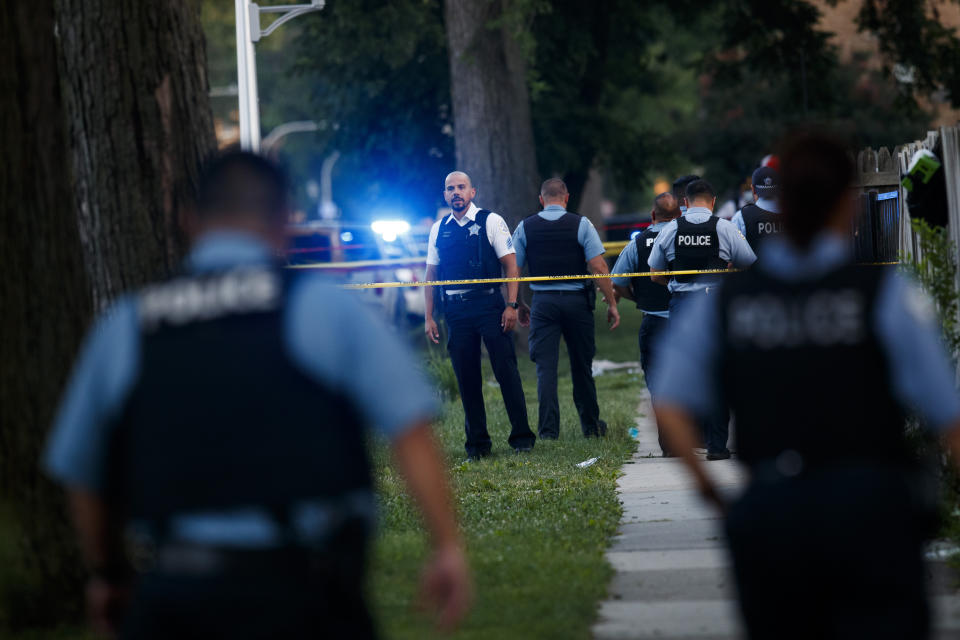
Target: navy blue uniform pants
[
  {"x": 567, "y": 314},
  {"x": 715, "y": 428},
  {"x": 651, "y": 331},
  {"x": 284, "y": 596},
  {"x": 469, "y": 322},
  {"x": 833, "y": 553}
]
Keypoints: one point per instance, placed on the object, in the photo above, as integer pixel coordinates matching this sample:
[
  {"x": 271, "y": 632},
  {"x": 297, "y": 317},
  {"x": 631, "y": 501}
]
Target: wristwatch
[{"x": 513, "y": 305}]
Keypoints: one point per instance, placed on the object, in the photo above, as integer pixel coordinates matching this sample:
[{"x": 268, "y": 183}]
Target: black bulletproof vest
[
  {"x": 759, "y": 224},
  {"x": 465, "y": 252},
  {"x": 804, "y": 370},
  {"x": 696, "y": 246},
  {"x": 220, "y": 416},
  {"x": 648, "y": 295},
  {"x": 553, "y": 247}
]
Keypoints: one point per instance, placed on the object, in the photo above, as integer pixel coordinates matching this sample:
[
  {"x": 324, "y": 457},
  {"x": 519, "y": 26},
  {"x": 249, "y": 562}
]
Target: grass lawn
[{"x": 536, "y": 525}]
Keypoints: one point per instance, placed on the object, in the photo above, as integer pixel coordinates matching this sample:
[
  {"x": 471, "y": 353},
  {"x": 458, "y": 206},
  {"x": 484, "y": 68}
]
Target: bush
[{"x": 936, "y": 271}]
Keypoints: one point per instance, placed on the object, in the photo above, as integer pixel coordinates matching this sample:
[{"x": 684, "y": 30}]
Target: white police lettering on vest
[
  {"x": 194, "y": 299},
  {"x": 769, "y": 227},
  {"x": 694, "y": 241},
  {"x": 822, "y": 319},
  {"x": 650, "y": 242}
]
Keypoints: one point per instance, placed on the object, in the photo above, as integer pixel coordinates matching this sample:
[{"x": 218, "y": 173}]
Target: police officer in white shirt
[{"x": 473, "y": 244}]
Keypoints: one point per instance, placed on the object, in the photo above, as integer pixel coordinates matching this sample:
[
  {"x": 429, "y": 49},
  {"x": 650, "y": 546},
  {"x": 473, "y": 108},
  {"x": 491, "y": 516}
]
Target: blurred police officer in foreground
[
  {"x": 762, "y": 218},
  {"x": 651, "y": 298},
  {"x": 556, "y": 242},
  {"x": 818, "y": 358},
  {"x": 680, "y": 190},
  {"x": 220, "y": 418},
  {"x": 470, "y": 244},
  {"x": 699, "y": 240}
]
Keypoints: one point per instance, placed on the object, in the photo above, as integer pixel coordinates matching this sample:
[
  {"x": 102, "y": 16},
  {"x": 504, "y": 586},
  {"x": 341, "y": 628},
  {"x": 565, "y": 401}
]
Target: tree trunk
[
  {"x": 135, "y": 91},
  {"x": 44, "y": 295},
  {"x": 491, "y": 109},
  {"x": 104, "y": 119}
]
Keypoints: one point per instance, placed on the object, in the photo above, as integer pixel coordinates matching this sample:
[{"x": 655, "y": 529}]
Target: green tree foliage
[
  {"x": 379, "y": 75},
  {"x": 635, "y": 89},
  {"x": 910, "y": 33},
  {"x": 774, "y": 69},
  {"x": 610, "y": 87}
]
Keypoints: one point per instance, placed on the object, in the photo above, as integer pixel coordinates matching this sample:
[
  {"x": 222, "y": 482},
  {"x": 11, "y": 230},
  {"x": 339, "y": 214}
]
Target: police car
[{"x": 384, "y": 251}]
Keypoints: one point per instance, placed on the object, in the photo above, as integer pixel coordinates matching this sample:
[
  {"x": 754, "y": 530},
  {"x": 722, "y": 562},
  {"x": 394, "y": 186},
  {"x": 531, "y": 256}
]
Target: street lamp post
[{"x": 249, "y": 32}]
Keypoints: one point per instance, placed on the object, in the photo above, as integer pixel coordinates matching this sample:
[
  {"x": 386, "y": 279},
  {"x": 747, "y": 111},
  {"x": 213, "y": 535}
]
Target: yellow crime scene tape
[
  {"x": 609, "y": 246},
  {"x": 396, "y": 262},
  {"x": 450, "y": 283}
]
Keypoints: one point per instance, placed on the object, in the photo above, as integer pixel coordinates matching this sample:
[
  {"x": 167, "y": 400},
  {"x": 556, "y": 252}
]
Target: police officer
[
  {"x": 556, "y": 242},
  {"x": 699, "y": 240},
  {"x": 680, "y": 190},
  {"x": 469, "y": 244},
  {"x": 819, "y": 359},
  {"x": 758, "y": 220},
  {"x": 651, "y": 298},
  {"x": 216, "y": 421}
]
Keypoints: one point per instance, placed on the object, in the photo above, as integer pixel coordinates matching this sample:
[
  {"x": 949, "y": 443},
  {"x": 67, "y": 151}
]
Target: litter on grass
[
  {"x": 587, "y": 463},
  {"x": 602, "y": 366}
]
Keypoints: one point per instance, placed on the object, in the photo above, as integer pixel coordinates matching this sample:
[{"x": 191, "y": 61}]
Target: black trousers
[
  {"x": 567, "y": 314},
  {"x": 716, "y": 427},
  {"x": 469, "y": 322},
  {"x": 651, "y": 331},
  {"x": 831, "y": 554},
  {"x": 289, "y": 600}
]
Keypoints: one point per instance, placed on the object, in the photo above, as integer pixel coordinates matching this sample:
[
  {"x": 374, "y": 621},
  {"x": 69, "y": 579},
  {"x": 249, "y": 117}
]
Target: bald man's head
[
  {"x": 458, "y": 191},
  {"x": 665, "y": 207}
]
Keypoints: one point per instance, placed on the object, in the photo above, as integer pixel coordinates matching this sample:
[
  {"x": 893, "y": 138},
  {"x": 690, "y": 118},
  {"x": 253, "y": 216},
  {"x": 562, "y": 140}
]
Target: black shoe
[
  {"x": 476, "y": 457},
  {"x": 718, "y": 455},
  {"x": 527, "y": 448},
  {"x": 599, "y": 432}
]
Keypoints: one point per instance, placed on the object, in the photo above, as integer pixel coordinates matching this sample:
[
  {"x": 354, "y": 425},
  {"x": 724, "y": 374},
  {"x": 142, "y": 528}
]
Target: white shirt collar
[{"x": 469, "y": 216}]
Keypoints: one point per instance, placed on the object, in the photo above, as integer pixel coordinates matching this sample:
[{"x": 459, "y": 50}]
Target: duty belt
[{"x": 469, "y": 295}]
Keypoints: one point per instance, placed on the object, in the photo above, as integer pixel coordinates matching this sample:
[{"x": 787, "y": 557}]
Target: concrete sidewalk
[{"x": 672, "y": 573}]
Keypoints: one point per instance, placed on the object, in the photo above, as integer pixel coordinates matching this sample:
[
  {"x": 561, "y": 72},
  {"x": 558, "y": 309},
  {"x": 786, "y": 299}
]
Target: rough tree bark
[
  {"x": 44, "y": 297},
  {"x": 135, "y": 91},
  {"x": 491, "y": 108},
  {"x": 104, "y": 119}
]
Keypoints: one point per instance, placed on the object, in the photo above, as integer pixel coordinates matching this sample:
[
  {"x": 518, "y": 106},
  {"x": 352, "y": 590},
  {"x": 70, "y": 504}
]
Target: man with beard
[{"x": 471, "y": 244}]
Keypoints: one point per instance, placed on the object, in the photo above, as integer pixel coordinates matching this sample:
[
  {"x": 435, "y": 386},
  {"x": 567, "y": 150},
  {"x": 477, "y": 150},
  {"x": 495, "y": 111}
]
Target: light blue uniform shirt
[
  {"x": 905, "y": 322},
  {"x": 587, "y": 236},
  {"x": 629, "y": 262},
  {"x": 329, "y": 334},
  {"x": 767, "y": 204},
  {"x": 733, "y": 248}
]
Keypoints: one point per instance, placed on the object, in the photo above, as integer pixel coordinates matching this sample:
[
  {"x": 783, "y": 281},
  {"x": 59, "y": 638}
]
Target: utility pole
[{"x": 248, "y": 33}]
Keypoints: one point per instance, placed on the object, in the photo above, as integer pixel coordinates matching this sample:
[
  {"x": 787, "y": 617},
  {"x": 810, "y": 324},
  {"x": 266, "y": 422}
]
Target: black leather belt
[
  {"x": 469, "y": 295},
  {"x": 562, "y": 292}
]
